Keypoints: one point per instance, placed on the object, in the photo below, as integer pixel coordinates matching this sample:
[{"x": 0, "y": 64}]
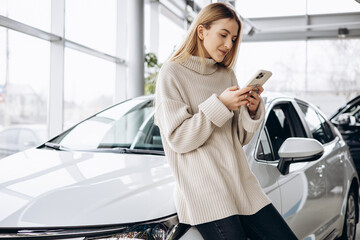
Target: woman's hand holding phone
[
  {"x": 233, "y": 97},
  {"x": 254, "y": 100}
]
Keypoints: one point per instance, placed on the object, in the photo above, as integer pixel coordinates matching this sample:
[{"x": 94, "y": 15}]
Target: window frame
[
  {"x": 295, "y": 130},
  {"x": 319, "y": 115}
]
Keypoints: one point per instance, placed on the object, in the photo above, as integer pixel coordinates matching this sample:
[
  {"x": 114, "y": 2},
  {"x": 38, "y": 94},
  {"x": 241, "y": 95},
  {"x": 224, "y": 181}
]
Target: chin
[{"x": 218, "y": 59}]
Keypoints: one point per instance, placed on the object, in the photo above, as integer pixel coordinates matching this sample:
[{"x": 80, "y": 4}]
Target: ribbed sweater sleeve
[
  {"x": 247, "y": 125},
  {"x": 184, "y": 131}
]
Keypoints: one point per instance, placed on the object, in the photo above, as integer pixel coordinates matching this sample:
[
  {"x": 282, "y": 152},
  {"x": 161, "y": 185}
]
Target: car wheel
[{"x": 349, "y": 230}]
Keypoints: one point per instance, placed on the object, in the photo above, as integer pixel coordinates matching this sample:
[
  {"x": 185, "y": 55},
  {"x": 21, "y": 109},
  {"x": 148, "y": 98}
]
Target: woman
[{"x": 204, "y": 121}]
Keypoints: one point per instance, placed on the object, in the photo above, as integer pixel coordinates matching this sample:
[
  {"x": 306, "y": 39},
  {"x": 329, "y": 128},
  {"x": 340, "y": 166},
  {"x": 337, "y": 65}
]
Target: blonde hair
[{"x": 192, "y": 43}]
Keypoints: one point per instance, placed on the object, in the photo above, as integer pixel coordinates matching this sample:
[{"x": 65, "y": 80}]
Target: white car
[{"x": 107, "y": 177}]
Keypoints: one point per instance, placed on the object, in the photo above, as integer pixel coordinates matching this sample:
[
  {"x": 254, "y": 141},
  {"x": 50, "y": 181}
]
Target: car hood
[
  {"x": 347, "y": 105},
  {"x": 48, "y": 188}
]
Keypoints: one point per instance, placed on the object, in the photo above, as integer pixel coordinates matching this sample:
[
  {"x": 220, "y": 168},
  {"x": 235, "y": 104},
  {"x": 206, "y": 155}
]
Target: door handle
[{"x": 341, "y": 157}]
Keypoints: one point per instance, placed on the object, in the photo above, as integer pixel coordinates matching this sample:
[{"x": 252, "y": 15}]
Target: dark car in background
[{"x": 347, "y": 120}]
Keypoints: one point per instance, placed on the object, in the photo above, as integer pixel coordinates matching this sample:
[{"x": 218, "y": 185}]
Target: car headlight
[{"x": 165, "y": 229}]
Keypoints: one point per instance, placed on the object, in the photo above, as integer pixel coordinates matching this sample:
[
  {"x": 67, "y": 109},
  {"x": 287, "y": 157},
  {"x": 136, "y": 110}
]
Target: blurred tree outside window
[{"x": 152, "y": 67}]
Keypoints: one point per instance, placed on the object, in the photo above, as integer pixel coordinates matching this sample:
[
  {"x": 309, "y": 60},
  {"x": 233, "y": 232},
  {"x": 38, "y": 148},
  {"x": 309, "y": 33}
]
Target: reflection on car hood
[{"x": 42, "y": 188}]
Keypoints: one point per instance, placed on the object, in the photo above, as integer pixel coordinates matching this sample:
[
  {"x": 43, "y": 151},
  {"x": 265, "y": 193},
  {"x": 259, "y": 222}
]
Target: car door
[
  {"x": 333, "y": 161},
  {"x": 304, "y": 186}
]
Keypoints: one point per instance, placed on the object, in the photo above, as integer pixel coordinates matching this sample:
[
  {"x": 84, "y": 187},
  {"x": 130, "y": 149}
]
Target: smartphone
[{"x": 260, "y": 77}]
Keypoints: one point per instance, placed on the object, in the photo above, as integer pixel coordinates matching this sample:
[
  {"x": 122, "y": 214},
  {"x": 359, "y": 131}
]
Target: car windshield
[{"x": 128, "y": 125}]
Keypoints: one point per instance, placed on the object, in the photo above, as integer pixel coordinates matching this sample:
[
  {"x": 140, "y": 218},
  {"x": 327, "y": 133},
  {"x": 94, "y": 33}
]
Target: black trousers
[{"x": 266, "y": 224}]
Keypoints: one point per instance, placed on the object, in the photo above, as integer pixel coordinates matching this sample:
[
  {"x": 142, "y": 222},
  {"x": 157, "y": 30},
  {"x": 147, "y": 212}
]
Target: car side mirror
[
  {"x": 295, "y": 150},
  {"x": 346, "y": 119}
]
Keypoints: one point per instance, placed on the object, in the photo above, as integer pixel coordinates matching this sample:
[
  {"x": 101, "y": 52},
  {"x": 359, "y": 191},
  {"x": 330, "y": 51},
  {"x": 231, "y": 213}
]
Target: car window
[
  {"x": 327, "y": 129},
  {"x": 281, "y": 123},
  {"x": 264, "y": 148},
  {"x": 148, "y": 136},
  {"x": 124, "y": 130},
  {"x": 355, "y": 109},
  {"x": 317, "y": 125}
]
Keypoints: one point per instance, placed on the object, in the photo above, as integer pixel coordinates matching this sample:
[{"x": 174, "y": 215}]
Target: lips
[{"x": 223, "y": 52}]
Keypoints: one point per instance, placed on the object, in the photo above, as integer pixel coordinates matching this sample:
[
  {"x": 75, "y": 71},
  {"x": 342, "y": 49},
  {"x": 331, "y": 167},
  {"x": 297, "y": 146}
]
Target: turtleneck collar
[{"x": 196, "y": 64}]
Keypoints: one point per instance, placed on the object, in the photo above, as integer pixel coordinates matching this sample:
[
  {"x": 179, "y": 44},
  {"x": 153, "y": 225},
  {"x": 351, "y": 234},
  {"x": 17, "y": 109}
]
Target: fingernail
[
  {"x": 246, "y": 96},
  {"x": 258, "y": 85},
  {"x": 251, "y": 92},
  {"x": 248, "y": 104},
  {"x": 256, "y": 91}
]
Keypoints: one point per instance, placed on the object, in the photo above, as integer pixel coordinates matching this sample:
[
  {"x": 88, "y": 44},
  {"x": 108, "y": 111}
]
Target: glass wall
[
  {"x": 92, "y": 23},
  {"x": 24, "y": 83},
  {"x": 324, "y": 72},
  {"x": 274, "y": 56},
  {"x": 331, "y": 6},
  {"x": 333, "y": 72},
  {"x": 89, "y": 81},
  {"x": 35, "y": 13},
  {"x": 170, "y": 36},
  {"x": 25, "y": 68},
  {"x": 89, "y": 86},
  {"x": 264, "y": 8}
]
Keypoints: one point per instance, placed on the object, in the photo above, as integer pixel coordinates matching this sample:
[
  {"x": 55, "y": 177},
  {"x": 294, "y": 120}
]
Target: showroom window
[
  {"x": 89, "y": 29},
  {"x": 24, "y": 82},
  {"x": 88, "y": 84},
  {"x": 168, "y": 44},
  {"x": 35, "y": 13},
  {"x": 330, "y": 6},
  {"x": 273, "y": 56},
  {"x": 260, "y": 8}
]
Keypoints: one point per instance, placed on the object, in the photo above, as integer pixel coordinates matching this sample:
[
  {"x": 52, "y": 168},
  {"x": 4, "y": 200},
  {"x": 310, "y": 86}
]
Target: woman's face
[{"x": 219, "y": 38}]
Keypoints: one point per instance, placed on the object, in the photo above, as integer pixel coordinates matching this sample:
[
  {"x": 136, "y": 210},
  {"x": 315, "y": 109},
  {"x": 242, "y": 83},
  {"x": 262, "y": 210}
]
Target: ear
[{"x": 200, "y": 31}]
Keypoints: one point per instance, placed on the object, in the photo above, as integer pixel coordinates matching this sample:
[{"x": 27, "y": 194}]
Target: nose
[{"x": 228, "y": 43}]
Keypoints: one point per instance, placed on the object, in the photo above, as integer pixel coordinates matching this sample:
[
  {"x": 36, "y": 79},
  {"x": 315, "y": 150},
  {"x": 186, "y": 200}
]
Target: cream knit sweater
[{"x": 203, "y": 142}]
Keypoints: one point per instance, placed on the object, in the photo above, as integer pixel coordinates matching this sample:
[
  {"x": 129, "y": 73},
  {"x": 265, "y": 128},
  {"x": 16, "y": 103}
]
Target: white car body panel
[{"x": 56, "y": 188}]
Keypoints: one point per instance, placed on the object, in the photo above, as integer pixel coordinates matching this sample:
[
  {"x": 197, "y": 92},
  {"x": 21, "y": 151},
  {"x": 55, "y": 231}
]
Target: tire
[{"x": 349, "y": 230}]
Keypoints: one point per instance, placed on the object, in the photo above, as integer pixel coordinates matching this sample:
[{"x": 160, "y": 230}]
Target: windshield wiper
[
  {"x": 144, "y": 151},
  {"x": 130, "y": 151},
  {"x": 55, "y": 146},
  {"x": 59, "y": 147}
]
